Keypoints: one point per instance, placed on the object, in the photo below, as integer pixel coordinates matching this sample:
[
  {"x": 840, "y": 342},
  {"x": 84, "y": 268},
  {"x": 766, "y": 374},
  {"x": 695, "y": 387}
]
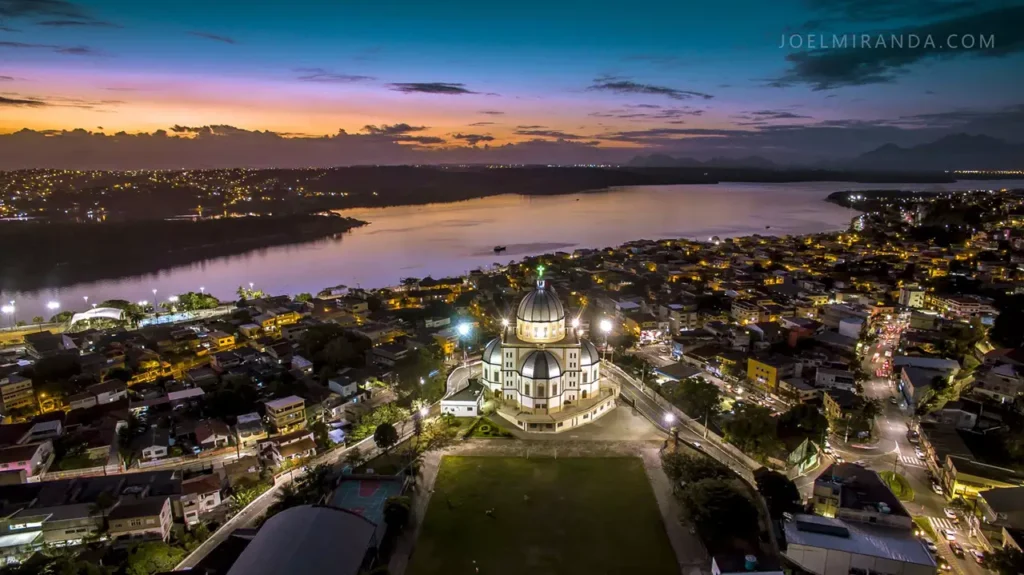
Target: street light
[
  {"x": 424, "y": 411},
  {"x": 202, "y": 289},
  {"x": 575, "y": 322},
  {"x": 463, "y": 330},
  {"x": 504, "y": 322},
  {"x": 53, "y": 305},
  {"x": 670, "y": 419},
  {"x": 606, "y": 327},
  {"x": 173, "y": 299}
]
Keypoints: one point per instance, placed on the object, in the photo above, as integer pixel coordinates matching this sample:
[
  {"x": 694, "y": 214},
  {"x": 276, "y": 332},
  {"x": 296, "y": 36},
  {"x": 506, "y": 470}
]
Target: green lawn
[
  {"x": 550, "y": 516},
  {"x": 898, "y": 485}
]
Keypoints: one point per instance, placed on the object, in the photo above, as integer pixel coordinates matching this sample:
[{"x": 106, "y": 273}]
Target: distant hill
[
  {"x": 664, "y": 161},
  {"x": 953, "y": 152}
]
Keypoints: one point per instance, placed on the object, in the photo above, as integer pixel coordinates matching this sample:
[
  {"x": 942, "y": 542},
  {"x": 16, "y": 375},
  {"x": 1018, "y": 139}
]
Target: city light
[
  {"x": 575, "y": 322},
  {"x": 7, "y": 309},
  {"x": 422, "y": 381},
  {"x": 85, "y": 298},
  {"x": 173, "y": 299},
  {"x": 202, "y": 289},
  {"x": 606, "y": 326},
  {"x": 143, "y": 302},
  {"x": 463, "y": 329},
  {"x": 424, "y": 411},
  {"x": 154, "y": 294},
  {"x": 53, "y": 305},
  {"x": 504, "y": 322},
  {"x": 670, "y": 419}
]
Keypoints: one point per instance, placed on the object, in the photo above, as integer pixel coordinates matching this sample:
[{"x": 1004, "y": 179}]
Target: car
[
  {"x": 978, "y": 555},
  {"x": 838, "y": 458},
  {"x": 930, "y": 546},
  {"x": 860, "y": 463},
  {"x": 957, "y": 549},
  {"x": 919, "y": 453},
  {"x": 950, "y": 512},
  {"x": 893, "y": 400},
  {"x": 949, "y": 534},
  {"x": 696, "y": 444},
  {"x": 937, "y": 488},
  {"x": 943, "y": 565}
]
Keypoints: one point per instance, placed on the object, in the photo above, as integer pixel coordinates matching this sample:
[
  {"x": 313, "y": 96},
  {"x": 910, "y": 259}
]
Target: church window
[
  {"x": 584, "y": 377},
  {"x": 554, "y": 389},
  {"x": 526, "y": 388}
]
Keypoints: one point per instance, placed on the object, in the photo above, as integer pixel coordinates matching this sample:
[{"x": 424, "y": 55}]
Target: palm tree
[
  {"x": 317, "y": 483},
  {"x": 104, "y": 502}
]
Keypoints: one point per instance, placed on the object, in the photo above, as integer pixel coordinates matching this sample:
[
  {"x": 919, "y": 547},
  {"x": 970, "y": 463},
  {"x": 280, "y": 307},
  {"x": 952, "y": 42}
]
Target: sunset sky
[{"x": 450, "y": 79}]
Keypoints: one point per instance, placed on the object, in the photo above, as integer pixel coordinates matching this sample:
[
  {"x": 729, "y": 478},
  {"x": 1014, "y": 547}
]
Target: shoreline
[{"x": 61, "y": 255}]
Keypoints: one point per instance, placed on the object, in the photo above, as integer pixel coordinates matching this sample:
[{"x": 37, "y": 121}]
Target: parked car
[
  {"x": 943, "y": 565},
  {"x": 930, "y": 545},
  {"x": 893, "y": 400},
  {"x": 949, "y": 534},
  {"x": 860, "y": 463},
  {"x": 937, "y": 488},
  {"x": 919, "y": 453},
  {"x": 950, "y": 512},
  {"x": 957, "y": 549}
]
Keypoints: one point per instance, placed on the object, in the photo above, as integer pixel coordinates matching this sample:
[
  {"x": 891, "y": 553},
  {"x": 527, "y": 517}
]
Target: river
[{"x": 450, "y": 239}]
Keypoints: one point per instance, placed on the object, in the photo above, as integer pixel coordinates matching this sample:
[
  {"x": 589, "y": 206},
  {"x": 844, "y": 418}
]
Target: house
[
  {"x": 199, "y": 495},
  {"x": 302, "y": 365},
  {"x": 144, "y": 519},
  {"x": 16, "y": 392},
  {"x": 854, "y": 493},
  {"x": 964, "y": 477},
  {"x": 343, "y": 385},
  {"x": 465, "y": 402},
  {"x": 32, "y": 458},
  {"x": 962, "y": 414},
  {"x": 153, "y": 444},
  {"x": 675, "y": 372},
  {"x": 1002, "y": 382},
  {"x": 295, "y": 445},
  {"x": 799, "y": 390},
  {"x": 832, "y": 546},
  {"x": 47, "y": 344},
  {"x": 311, "y": 539},
  {"x": 249, "y": 429},
  {"x": 916, "y": 383},
  {"x": 212, "y": 433},
  {"x": 286, "y": 414},
  {"x": 766, "y": 372},
  {"x": 221, "y": 340},
  {"x": 835, "y": 379},
  {"x": 839, "y": 404},
  {"x": 108, "y": 392},
  {"x": 389, "y": 354}
]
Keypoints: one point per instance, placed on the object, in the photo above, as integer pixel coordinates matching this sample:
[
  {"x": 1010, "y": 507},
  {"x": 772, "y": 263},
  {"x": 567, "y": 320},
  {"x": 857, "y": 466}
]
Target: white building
[
  {"x": 829, "y": 546},
  {"x": 912, "y": 296},
  {"x": 545, "y": 376},
  {"x": 466, "y": 402}
]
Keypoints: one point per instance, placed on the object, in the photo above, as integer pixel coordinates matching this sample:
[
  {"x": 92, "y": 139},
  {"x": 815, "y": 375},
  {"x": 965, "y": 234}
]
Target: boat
[
  {"x": 499, "y": 249},
  {"x": 767, "y": 227}
]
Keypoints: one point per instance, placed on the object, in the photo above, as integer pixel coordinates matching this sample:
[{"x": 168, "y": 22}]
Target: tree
[
  {"x": 104, "y": 502},
  {"x": 719, "y": 511},
  {"x": 304, "y": 297},
  {"x": 1008, "y": 329},
  {"x": 38, "y": 319},
  {"x": 321, "y": 435},
  {"x": 385, "y": 436},
  {"x": 803, "y": 421},
  {"x": 686, "y": 469},
  {"x": 387, "y": 413},
  {"x": 397, "y": 510},
  {"x": 55, "y": 562},
  {"x": 62, "y": 317},
  {"x": 244, "y": 496},
  {"x": 752, "y": 430},
  {"x": 153, "y": 557},
  {"x": 780, "y": 494},
  {"x": 698, "y": 398},
  {"x": 1005, "y": 561}
]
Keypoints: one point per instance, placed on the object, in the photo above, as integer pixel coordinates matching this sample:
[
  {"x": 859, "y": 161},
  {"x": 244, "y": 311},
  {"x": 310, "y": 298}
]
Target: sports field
[{"x": 510, "y": 516}]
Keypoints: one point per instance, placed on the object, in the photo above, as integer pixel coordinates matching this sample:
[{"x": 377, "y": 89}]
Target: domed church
[{"x": 546, "y": 376}]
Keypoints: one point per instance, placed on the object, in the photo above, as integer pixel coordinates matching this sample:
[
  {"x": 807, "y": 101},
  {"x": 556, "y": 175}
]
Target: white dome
[
  {"x": 588, "y": 353},
  {"x": 540, "y": 364},
  {"x": 541, "y": 305},
  {"x": 492, "y": 352}
]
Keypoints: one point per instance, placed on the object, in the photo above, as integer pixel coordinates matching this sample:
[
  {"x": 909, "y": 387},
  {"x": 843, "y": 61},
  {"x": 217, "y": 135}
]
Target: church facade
[{"x": 544, "y": 375}]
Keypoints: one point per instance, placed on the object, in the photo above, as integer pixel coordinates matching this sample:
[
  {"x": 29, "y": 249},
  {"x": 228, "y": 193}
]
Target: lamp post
[
  {"x": 463, "y": 330},
  {"x": 8, "y": 309},
  {"x": 670, "y": 420},
  {"x": 606, "y": 327}
]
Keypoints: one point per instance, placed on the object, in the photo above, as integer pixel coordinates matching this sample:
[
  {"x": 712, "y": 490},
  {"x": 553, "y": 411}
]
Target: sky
[{"x": 112, "y": 83}]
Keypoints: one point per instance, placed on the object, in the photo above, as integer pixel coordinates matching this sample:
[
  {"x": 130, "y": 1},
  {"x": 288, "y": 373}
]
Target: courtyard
[{"x": 505, "y": 515}]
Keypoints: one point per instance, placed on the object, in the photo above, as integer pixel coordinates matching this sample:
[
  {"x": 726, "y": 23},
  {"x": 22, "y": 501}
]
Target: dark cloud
[
  {"x": 42, "y": 9},
  {"x": 424, "y": 140},
  {"x": 445, "y": 88},
  {"x": 483, "y": 123},
  {"x": 72, "y": 50},
  {"x": 392, "y": 130},
  {"x": 530, "y": 127},
  {"x": 832, "y": 12},
  {"x": 8, "y": 29},
  {"x": 78, "y": 24},
  {"x": 214, "y": 37},
  {"x": 829, "y": 68},
  {"x": 492, "y": 112},
  {"x": 473, "y": 139},
  {"x": 324, "y": 76},
  {"x": 6, "y": 78},
  {"x": 24, "y": 102},
  {"x": 763, "y": 116},
  {"x": 620, "y": 86},
  {"x": 548, "y": 134},
  {"x": 659, "y": 114}
]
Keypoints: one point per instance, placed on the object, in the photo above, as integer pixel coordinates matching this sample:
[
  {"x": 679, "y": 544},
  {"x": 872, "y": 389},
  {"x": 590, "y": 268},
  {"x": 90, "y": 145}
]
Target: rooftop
[
  {"x": 470, "y": 393},
  {"x": 284, "y": 402},
  {"x": 860, "y": 488},
  {"x": 857, "y": 538}
]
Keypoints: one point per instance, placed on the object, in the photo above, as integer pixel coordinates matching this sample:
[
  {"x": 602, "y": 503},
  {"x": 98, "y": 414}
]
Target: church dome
[
  {"x": 492, "y": 352},
  {"x": 541, "y": 305},
  {"x": 540, "y": 364},
  {"x": 588, "y": 353}
]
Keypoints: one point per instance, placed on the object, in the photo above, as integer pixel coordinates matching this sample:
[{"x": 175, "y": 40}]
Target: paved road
[
  {"x": 894, "y": 452},
  {"x": 646, "y": 405}
]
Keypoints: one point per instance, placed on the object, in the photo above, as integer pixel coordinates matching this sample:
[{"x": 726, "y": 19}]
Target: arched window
[{"x": 584, "y": 377}]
